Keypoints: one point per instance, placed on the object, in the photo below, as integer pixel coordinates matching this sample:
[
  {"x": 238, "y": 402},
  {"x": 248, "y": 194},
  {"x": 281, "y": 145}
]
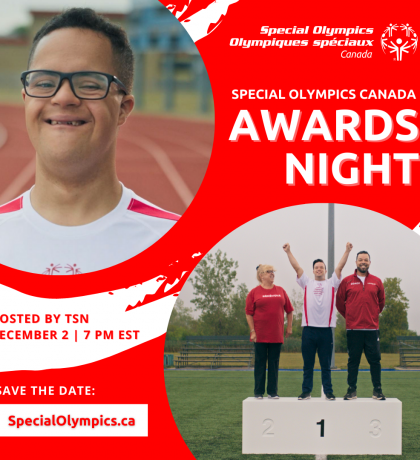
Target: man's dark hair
[
  {"x": 86, "y": 18},
  {"x": 362, "y": 252},
  {"x": 318, "y": 260}
]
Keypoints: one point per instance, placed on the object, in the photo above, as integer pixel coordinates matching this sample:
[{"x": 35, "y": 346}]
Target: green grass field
[{"x": 207, "y": 407}]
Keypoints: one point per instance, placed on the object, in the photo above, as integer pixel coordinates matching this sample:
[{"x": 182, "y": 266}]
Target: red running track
[{"x": 162, "y": 159}]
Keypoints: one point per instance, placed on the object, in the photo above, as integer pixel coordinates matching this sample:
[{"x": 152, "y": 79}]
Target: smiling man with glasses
[
  {"x": 78, "y": 217},
  {"x": 318, "y": 319}
]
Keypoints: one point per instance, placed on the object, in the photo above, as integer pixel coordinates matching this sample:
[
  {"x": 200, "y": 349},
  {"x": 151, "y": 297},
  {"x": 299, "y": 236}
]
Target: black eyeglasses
[{"x": 85, "y": 85}]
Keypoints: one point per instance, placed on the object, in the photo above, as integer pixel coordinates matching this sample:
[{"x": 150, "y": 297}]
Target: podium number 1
[{"x": 322, "y": 427}]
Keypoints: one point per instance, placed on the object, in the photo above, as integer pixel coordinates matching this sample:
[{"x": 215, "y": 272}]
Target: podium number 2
[
  {"x": 270, "y": 423},
  {"x": 322, "y": 427}
]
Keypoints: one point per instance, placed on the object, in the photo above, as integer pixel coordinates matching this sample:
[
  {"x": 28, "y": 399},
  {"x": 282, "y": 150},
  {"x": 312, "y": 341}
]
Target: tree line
[{"x": 221, "y": 305}]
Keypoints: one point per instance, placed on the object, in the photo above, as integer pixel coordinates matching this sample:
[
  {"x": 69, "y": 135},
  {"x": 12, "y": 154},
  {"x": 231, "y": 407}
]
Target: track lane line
[
  {"x": 12, "y": 191},
  {"x": 165, "y": 164},
  {"x": 196, "y": 146},
  {"x": 3, "y": 135}
]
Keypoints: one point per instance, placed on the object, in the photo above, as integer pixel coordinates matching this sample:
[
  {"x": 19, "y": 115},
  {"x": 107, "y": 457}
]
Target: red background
[{"x": 244, "y": 179}]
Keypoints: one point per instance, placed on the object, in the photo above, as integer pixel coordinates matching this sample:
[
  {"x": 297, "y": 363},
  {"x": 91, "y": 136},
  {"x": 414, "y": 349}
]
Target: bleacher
[
  {"x": 409, "y": 351},
  {"x": 216, "y": 352}
]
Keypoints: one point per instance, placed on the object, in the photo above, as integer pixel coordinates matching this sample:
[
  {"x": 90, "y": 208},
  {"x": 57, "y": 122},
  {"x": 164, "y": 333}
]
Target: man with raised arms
[
  {"x": 78, "y": 217},
  {"x": 360, "y": 300},
  {"x": 318, "y": 317}
]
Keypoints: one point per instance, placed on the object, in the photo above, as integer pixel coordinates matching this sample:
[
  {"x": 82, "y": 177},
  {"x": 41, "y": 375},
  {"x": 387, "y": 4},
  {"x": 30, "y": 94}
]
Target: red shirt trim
[
  {"x": 332, "y": 306},
  {"x": 306, "y": 308},
  {"x": 142, "y": 208},
  {"x": 13, "y": 206}
]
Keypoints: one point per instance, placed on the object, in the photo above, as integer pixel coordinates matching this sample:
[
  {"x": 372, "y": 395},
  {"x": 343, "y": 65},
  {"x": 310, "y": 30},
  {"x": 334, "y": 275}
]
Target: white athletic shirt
[
  {"x": 319, "y": 301},
  {"x": 31, "y": 243}
]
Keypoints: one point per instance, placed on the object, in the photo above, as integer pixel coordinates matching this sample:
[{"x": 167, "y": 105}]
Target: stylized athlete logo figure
[
  {"x": 408, "y": 29},
  {"x": 390, "y": 29},
  {"x": 52, "y": 269},
  {"x": 399, "y": 45},
  {"x": 399, "y": 49},
  {"x": 72, "y": 269}
]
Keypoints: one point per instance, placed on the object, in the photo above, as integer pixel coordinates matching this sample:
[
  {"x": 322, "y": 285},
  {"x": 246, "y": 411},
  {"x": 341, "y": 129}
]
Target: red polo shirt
[{"x": 267, "y": 306}]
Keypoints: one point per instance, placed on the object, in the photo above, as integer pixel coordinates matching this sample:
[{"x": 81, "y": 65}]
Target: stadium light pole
[
  {"x": 330, "y": 274},
  {"x": 331, "y": 263}
]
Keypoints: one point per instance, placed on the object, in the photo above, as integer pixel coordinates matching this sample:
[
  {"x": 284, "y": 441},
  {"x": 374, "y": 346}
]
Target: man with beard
[{"x": 360, "y": 299}]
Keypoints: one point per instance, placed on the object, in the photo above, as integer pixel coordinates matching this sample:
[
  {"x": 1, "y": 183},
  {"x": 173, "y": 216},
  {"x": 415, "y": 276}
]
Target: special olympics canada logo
[{"x": 399, "y": 39}]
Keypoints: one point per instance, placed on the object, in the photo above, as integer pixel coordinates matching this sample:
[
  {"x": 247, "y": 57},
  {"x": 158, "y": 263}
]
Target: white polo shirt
[
  {"x": 319, "y": 301},
  {"x": 33, "y": 244}
]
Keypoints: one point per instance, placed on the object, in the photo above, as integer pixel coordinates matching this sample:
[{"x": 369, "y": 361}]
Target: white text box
[{"x": 74, "y": 420}]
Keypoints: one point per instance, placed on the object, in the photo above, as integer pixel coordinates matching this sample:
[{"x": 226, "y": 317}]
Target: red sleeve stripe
[
  {"x": 306, "y": 308},
  {"x": 13, "y": 206},
  {"x": 142, "y": 208},
  {"x": 332, "y": 307}
]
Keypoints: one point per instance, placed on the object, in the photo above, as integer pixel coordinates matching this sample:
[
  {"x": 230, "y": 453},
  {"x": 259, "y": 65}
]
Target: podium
[{"x": 320, "y": 427}]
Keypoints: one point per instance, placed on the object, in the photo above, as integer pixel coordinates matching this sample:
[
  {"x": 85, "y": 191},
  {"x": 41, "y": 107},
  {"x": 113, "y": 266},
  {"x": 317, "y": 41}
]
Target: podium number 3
[
  {"x": 322, "y": 427},
  {"x": 375, "y": 428},
  {"x": 270, "y": 424}
]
